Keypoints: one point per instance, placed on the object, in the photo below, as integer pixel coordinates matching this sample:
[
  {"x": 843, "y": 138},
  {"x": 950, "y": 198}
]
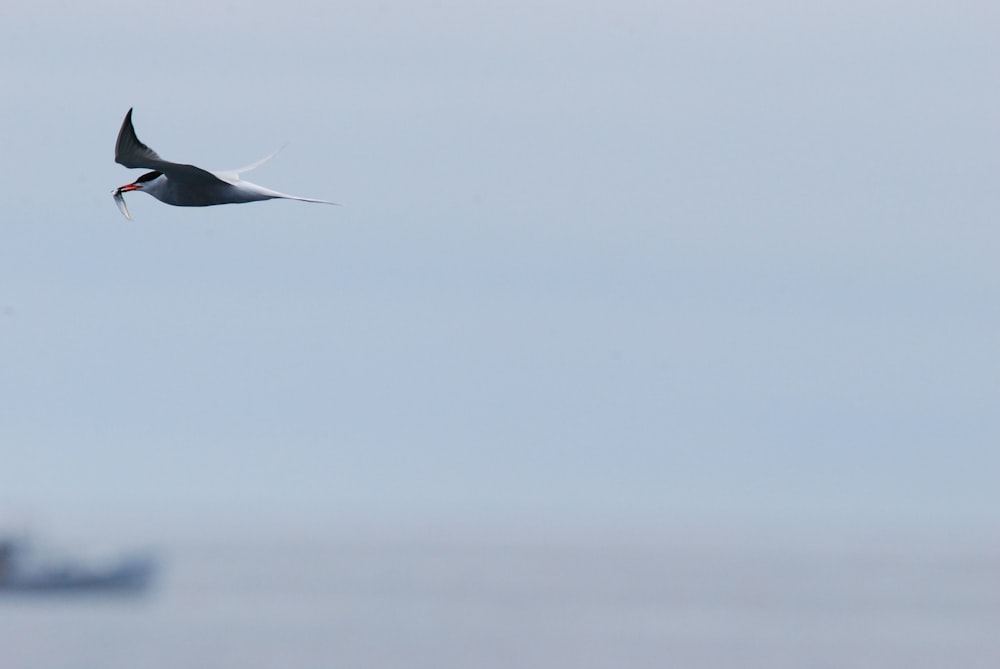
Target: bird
[{"x": 186, "y": 185}]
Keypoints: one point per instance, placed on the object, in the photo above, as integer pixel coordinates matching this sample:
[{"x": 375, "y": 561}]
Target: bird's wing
[
  {"x": 131, "y": 152},
  {"x": 233, "y": 176},
  {"x": 255, "y": 165}
]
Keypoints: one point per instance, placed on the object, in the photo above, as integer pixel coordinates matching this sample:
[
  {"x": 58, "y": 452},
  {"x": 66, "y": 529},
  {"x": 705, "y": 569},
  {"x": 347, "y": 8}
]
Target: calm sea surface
[{"x": 383, "y": 603}]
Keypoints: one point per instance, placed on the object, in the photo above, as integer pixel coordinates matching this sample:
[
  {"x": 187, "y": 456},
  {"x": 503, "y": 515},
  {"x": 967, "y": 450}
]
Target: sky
[{"x": 639, "y": 262}]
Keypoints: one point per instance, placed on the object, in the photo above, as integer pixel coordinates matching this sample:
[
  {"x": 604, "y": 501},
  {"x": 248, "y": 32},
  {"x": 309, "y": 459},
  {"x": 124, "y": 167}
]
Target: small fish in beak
[{"x": 120, "y": 201}]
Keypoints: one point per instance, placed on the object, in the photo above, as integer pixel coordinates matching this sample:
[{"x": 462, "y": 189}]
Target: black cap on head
[{"x": 148, "y": 176}]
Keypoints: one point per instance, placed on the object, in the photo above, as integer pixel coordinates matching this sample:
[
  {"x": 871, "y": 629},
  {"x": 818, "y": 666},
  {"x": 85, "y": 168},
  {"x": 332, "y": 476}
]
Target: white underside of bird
[{"x": 186, "y": 185}]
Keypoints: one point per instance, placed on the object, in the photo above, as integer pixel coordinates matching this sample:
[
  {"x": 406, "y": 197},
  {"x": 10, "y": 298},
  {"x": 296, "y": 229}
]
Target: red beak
[{"x": 130, "y": 187}]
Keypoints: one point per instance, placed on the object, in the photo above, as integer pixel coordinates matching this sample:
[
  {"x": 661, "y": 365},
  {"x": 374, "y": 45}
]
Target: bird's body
[
  {"x": 186, "y": 185},
  {"x": 198, "y": 191}
]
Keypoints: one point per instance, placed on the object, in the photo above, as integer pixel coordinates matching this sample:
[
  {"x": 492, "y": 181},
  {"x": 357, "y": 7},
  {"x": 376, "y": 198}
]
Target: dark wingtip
[{"x": 123, "y": 134}]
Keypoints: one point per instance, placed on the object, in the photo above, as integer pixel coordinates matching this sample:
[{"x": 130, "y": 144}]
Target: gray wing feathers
[
  {"x": 256, "y": 164},
  {"x": 130, "y": 152},
  {"x": 233, "y": 176}
]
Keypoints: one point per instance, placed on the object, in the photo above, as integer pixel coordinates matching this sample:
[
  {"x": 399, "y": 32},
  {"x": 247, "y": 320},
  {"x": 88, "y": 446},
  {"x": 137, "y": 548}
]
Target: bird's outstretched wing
[
  {"x": 131, "y": 152},
  {"x": 256, "y": 164},
  {"x": 233, "y": 176}
]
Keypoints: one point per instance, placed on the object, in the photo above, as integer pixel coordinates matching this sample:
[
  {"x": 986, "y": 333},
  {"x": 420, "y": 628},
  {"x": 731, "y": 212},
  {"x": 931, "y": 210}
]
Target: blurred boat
[{"x": 24, "y": 568}]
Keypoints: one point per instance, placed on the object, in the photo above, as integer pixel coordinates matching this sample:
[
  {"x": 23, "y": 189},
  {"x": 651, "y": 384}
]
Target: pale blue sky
[{"x": 650, "y": 262}]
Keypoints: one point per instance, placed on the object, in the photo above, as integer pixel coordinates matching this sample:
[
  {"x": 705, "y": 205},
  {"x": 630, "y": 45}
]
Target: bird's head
[{"x": 141, "y": 182}]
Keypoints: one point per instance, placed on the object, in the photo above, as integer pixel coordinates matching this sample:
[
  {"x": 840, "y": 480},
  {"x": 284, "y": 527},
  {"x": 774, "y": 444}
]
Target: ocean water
[{"x": 474, "y": 600}]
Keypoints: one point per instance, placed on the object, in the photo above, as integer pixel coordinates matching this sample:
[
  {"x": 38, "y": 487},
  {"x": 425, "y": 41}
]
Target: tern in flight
[{"x": 186, "y": 185}]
